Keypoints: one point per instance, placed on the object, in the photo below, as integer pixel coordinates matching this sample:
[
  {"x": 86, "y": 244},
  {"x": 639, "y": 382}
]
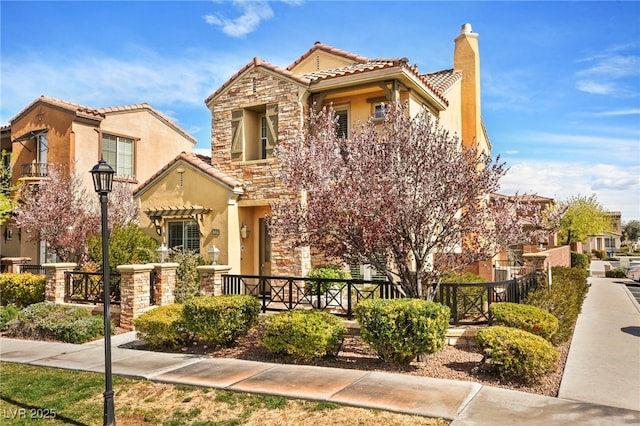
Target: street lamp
[{"x": 102, "y": 174}]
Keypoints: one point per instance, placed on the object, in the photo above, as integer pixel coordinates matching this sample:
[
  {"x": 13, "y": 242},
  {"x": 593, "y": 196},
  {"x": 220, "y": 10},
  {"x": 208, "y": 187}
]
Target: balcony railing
[{"x": 34, "y": 170}]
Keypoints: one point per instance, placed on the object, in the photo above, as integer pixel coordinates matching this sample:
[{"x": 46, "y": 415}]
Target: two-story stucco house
[
  {"x": 136, "y": 140},
  {"x": 224, "y": 202}
]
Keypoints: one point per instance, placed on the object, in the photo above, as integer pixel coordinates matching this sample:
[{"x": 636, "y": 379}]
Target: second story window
[
  {"x": 254, "y": 132},
  {"x": 117, "y": 151},
  {"x": 343, "y": 122}
]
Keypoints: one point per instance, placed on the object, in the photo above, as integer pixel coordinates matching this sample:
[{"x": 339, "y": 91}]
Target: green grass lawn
[{"x": 31, "y": 395}]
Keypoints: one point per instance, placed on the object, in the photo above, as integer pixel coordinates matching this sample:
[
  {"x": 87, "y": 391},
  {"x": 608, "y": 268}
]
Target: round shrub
[
  {"x": 219, "y": 320},
  {"x": 324, "y": 272},
  {"x": 304, "y": 334},
  {"x": 48, "y": 321},
  {"x": 162, "y": 326},
  {"x": 21, "y": 289},
  {"x": 525, "y": 317},
  {"x": 401, "y": 329},
  {"x": 517, "y": 353}
]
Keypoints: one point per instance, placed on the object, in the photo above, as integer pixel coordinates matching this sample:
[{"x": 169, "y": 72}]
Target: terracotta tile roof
[
  {"x": 442, "y": 80},
  {"x": 436, "y": 83},
  {"x": 338, "y": 52},
  {"x": 257, "y": 62},
  {"x": 201, "y": 162},
  {"x": 101, "y": 113},
  {"x": 5, "y": 127},
  {"x": 145, "y": 106},
  {"x": 356, "y": 68},
  {"x": 69, "y": 106}
]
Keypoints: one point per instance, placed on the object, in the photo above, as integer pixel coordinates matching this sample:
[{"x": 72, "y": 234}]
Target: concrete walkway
[{"x": 600, "y": 386}]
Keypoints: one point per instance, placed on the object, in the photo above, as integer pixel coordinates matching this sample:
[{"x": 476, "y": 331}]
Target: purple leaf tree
[{"x": 402, "y": 195}]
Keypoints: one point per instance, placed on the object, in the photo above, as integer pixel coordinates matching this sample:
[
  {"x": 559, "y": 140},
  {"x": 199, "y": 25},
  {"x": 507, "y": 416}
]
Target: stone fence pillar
[
  {"x": 211, "y": 279},
  {"x": 54, "y": 290},
  {"x": 537, "y": 262},
  {"x": 135, "y": 288},
  {"x": 12, "y": 264},
  {"x": 165, "y": 285}
]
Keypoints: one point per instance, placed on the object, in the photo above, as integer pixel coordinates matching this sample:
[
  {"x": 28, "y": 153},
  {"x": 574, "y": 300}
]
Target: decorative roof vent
[{"x": 466, "y": 29}]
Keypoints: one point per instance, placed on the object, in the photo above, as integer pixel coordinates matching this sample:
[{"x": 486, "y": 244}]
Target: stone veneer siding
[{"x": 261, "y": 177}]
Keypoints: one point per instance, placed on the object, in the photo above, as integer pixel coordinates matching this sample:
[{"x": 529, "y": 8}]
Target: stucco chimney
[{"x": 466, "y": 58}]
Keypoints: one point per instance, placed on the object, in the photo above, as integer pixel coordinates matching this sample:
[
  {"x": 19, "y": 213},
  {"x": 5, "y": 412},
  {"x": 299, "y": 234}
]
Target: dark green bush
[
  {"x": 187, "y": 277},
  {"x": 219, "y": 320},
  {"x": 600, "y": 254},
  {"x": 48, "y": 321},
  {"x": 7, "y": 314},
  {"x": 525, "y": 317},
  {"x": 580, "y": 260},
  {"x": 327, "y": 271},
  {"x": 304, "y": 334},
  {"x": 517, "y": 353},
  {"x": 564, "y": 300},
  {"x": 401, "y": 329},
  {"x": 128, "y": 245},
  {"x": 21, "y": 289},
  {"x": 163, "y": 326},
  {"x": 616, "y": 273}
]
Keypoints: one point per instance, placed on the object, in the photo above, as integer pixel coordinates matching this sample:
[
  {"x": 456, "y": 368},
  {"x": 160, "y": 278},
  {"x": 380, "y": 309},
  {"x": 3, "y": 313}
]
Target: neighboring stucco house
[
  {"x": 263, "y": 104},
  {"x": 136, "y": 140},
  {"x": 609, "y": 241}
]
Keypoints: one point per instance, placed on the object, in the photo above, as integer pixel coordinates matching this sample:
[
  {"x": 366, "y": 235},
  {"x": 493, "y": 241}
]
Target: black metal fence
[
  {"x": 469, "y": 302},
  {"x": 34, "y": 269},
  {"x": 338, "y": 296},
  {"x": 88, "y": 287}
]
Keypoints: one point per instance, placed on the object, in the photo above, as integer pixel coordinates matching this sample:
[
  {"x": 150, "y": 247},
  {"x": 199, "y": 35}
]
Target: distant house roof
[
  {"x": 101, "y": 113},
  {"x": 437, "y": 83},
  {"x": 200, "y": 162}
]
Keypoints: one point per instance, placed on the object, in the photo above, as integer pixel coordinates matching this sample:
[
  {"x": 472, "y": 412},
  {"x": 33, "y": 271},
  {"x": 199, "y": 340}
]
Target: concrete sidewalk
[{"x": 614, "y": 399}]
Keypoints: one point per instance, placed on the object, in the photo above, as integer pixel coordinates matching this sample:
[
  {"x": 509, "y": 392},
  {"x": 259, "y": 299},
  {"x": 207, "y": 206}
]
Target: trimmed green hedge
[
  {"x": 517, "y": 353},
  {"x": 163, "y": 326},
  {"x": 21, "y": 289},
  {"x": 48, "y": 321},
  {"x": 304, "y": 334},
  {"x": 564, "y": 300},
  {"x": 219, "y": 320},
  {"x": 525, "y": 317},
  {"x": 580, "y": 260},
  {"x": 401, "y": 329}
]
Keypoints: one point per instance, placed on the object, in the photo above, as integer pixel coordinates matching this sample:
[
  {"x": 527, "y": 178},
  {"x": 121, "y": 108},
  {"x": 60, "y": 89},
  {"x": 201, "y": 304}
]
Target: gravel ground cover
[{"x": 460, "y": 362}]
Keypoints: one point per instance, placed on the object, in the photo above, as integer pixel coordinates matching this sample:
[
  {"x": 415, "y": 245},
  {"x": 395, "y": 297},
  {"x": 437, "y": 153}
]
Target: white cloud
[
  {"x": 97, "y": 79},
  {"x": 596, "y": 88},
  {"x": 253, "y": 12},
  {"x": 609, "y": 73},
  {"x": 617, "y": 188},
  {"x": 630, "y": 111}
]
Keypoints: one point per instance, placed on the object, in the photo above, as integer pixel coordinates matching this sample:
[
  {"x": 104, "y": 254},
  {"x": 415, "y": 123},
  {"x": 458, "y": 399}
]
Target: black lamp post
[{"x": 102, "y": 174}]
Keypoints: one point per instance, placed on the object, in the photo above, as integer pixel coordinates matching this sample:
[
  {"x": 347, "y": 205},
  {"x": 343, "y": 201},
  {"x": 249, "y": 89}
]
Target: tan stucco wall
[
  {"x": 156, "y": 142},
  {"x": 195, "y": 189},
  {"x": 58, "y": 122},
  {"x": 320, "y": 60}
]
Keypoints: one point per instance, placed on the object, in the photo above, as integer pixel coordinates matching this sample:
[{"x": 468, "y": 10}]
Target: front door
[{"x": 265, "y": 248}]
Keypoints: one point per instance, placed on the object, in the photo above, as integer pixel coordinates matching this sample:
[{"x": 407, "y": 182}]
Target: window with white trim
[
  {"x": 118, "y": 152},
  {"x": 183, "y": 235}
]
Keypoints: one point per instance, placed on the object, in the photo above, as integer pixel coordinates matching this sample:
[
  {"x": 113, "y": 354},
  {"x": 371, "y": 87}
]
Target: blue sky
[{"x": 560, "y": 80}]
